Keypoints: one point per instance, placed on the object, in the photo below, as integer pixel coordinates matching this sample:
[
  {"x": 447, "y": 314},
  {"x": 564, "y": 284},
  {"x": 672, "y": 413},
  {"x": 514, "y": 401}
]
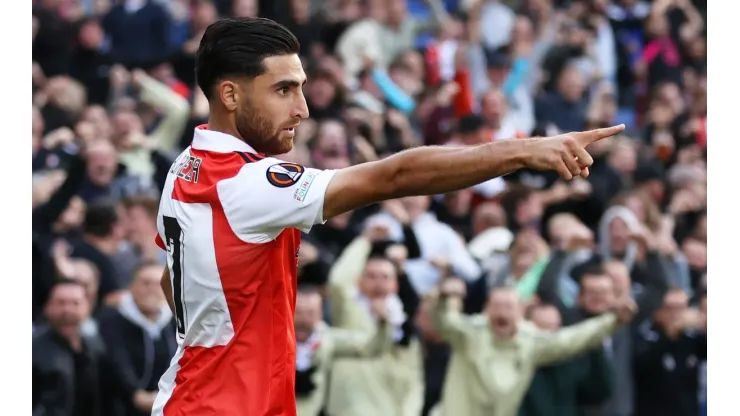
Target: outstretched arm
[
  {"x": 292, "y": 196},
  {"x": 436, "y": 170},
  {"x": 575, "y": 339}
]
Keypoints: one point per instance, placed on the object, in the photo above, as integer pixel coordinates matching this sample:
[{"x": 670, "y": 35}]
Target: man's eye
[{"x": 284, "y": 91}]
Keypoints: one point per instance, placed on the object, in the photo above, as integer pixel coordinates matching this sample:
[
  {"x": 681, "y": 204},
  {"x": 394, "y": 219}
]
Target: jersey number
[{"x": 173, "y": 236}]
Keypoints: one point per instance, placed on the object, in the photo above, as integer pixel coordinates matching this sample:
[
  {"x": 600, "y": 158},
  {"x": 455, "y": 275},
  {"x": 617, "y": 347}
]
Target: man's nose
[{"x": 301, "y": 108}]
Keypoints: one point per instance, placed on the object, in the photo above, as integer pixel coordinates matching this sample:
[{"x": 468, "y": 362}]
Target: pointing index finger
[{"x": 591, "y": 136}]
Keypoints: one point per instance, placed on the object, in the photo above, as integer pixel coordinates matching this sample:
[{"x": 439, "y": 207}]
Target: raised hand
[
  {"x": 625, "y": 310},
  {"x": 452, "y": 287},
  {"x": 379, "y": 309},
  {"x": 566, "y": 153}
]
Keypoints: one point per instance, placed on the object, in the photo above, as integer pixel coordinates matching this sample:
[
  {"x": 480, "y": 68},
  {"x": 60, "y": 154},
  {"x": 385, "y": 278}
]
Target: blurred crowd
[{"x": 514, "y": 297}]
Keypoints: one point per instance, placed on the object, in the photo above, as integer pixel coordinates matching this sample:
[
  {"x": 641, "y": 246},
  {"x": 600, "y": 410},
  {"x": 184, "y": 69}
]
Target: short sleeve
[
  {"x": 270, "y": 195},
  {"x": 160, "y": 243}
]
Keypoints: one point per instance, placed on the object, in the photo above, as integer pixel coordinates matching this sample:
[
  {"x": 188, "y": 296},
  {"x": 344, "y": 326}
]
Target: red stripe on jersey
[
  {"x": 254, "y": 374},
  {"x": 159, "y": 242}
]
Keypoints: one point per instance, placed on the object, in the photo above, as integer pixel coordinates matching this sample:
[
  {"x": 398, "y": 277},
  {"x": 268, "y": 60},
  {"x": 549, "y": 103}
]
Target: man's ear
[{"x": 229, "y": 94}]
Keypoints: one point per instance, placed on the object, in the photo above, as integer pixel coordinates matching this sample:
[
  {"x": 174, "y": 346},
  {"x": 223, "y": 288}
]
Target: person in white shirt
[{"x": 438, "y": 242}]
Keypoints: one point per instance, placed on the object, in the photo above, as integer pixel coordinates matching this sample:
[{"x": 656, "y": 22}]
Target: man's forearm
[
  {"x": 422, "y": 171},
  {"x": 437, "y": 170}
]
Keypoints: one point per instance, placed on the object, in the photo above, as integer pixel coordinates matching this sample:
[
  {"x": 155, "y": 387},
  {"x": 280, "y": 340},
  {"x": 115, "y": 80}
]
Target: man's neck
[
  {"x": 153, "y": 316},
  {"x": 215, "y": 123},
  {"x": 308, "y": 337},
  {"x": 73, "y": 339},
  {"x": 495, "y": 124},
  {"x": 395, "y": 25},
  {"x": 503, "y": 337},
  {"x": 105, "y": 245}
]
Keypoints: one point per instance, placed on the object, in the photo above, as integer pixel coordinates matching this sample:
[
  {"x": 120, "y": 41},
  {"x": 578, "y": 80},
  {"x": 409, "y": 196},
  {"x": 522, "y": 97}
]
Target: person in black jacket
[
  {"x": 139, "y": 32},
  {"x": 102, "y": 234},
  {"x": 668, "y": 354},
  {"x": 90, "y": 62},
  {"x": 72, "y": 374},
  {"x": 140, "y": 333}
]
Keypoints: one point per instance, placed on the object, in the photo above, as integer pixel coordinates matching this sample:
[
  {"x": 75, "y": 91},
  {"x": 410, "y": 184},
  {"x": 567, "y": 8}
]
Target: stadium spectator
[
  {"x": 101, "y": 239},
  {"x": 319, "y": 345},
  {"x": 139, "y": 32},
  {"x": 561, "y": 387},
  {"x": 71, "y": 371},
  {"x": 393, "y": 382},
  {"x": 511, "y": 348},
  {"x": 668, "y": 353},
  {"x": 140, "y": 335}
]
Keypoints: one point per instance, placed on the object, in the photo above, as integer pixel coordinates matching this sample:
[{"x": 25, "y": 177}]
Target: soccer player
[{"x": 231, "y": 214}]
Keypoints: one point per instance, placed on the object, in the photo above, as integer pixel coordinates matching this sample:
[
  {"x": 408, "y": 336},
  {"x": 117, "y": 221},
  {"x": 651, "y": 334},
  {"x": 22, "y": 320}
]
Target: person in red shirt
[{"x": 230, "y": 218}]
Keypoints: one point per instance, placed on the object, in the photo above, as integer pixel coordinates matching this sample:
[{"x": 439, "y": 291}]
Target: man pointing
[{"x": 231, "y": 215}]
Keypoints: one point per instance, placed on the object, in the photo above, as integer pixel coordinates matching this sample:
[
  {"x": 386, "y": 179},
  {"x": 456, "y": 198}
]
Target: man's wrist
[{"x": 523, "y": 153}]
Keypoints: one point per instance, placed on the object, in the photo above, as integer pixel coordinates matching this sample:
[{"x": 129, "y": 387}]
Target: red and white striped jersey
[{"x": 230, "y": 220}]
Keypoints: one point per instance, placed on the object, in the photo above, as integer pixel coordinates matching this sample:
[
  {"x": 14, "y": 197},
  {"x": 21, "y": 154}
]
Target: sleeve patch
[
  {"x": 304, "y": 185},
  {"x": 284, "y": 175}
]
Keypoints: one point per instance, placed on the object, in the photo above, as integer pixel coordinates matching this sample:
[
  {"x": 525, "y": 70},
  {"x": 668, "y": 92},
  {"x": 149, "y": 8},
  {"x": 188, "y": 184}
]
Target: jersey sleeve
[{"x": 268, "y": 196}]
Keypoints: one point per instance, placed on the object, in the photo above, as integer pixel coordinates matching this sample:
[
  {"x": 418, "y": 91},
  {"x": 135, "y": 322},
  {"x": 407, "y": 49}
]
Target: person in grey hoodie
[{"x": 140, "y": 335}]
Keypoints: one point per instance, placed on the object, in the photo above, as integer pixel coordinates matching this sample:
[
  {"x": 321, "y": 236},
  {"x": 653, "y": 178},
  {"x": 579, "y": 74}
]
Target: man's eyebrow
[{"x": 288, "y": 83}]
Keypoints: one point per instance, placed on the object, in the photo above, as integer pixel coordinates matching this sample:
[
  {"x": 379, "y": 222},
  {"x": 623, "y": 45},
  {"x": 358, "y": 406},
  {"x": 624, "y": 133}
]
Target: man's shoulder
[
  {"x": 194, "y": 173},
  {"x": 45, "y": 344},
  {"x": 107, "y": 315},
  {"x": 41, "y": 334},
  {"x": 269, "y": 175},
  {"x": 87, "y": 251}
]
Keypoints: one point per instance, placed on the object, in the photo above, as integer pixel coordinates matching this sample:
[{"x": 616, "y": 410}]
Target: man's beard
[{"x": 258, "y": 132}]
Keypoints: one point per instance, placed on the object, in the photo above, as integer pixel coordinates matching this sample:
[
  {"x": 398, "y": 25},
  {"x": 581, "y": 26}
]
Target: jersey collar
[{"x": 214, "y": 141}]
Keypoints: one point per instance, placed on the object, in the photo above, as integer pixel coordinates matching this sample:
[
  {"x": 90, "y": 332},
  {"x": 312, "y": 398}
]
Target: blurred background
[{"x": 115, "y": 100}]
